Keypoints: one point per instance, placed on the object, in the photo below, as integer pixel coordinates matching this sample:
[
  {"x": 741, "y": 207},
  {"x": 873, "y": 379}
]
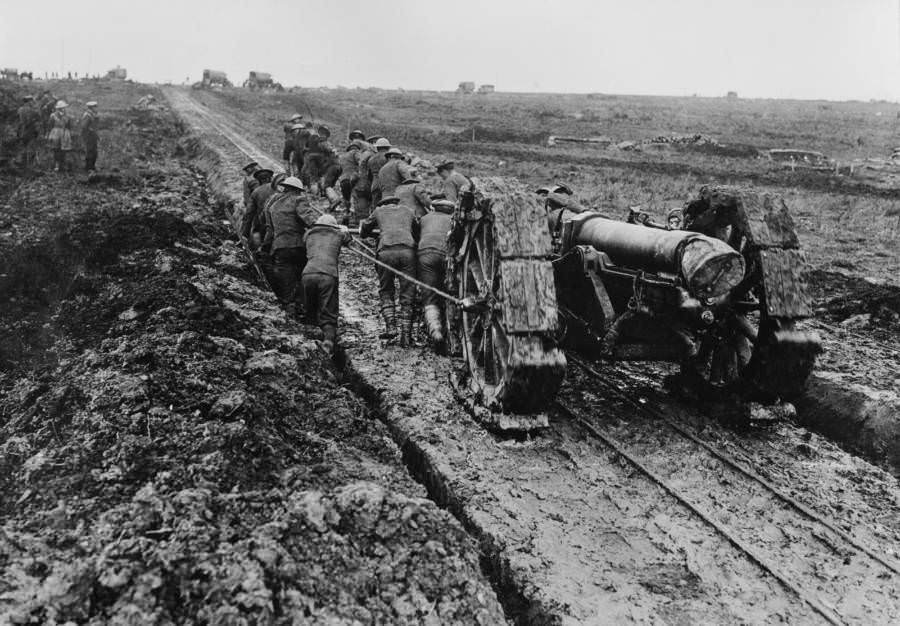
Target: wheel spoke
[{"x": 501, "y": 347}]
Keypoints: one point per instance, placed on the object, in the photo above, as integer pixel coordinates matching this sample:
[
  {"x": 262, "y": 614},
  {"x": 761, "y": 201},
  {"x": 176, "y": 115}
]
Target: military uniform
[
  {"x": 60, "y": 138},
  {"x": 91, "y": 139},
  {"x": 320, "y": 276},
  {"x": 396, "y": 248},
  {"x": 413, "y": 194},
  {"x": 348, "y": 161},
  {"x": 29, "y": 129},
  {"x": 288, "y": 215},
  {"x": 298, "y": 152},
  {"x": 392, "y": 175},
  {"x": 432, "y": 263},
  {"x": 315, "y": 159},
  {"x": 371, "y": 166},
  {"x": 455, "y": 185},
  {"x": 254, "y": 220}
]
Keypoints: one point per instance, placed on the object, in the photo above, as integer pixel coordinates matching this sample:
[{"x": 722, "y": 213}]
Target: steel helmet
[
  {"x": 327, "y": 219},
  {"x": 61, "y": 104},
  {"x": 382, "y": 143},
  {"x": 356, "y": 134},
  {"x": 394, "y": 152},
  {"x": 295, "y": 117},
  {"x": 293, "y": 182}
]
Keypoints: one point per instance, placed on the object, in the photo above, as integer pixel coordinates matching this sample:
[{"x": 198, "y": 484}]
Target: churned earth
[
  {"x": 794, "y": 531},
  {"x": 172, "y": 448}
]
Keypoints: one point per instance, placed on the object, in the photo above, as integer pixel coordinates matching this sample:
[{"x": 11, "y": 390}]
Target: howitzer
[{"x": 720, "y": 298}]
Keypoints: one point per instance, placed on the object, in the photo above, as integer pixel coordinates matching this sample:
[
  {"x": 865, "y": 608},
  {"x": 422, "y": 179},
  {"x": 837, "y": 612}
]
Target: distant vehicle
[
  {"x": 117, "y": 73},
  {"x": 484, "y": 89},
  {"x": 214, "y": 78},
  {"x": 466, "y": 87},
  {"x": 732, "y": 95},
  {"x": 258, "y": 81},
  {"x": 9, "y": 73}
]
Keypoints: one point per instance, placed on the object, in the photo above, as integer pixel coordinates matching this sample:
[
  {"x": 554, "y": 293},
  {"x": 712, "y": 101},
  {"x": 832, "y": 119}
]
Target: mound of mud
[
  {"x": 854, "y": 302},
  {"x": 172, "y": 448}
]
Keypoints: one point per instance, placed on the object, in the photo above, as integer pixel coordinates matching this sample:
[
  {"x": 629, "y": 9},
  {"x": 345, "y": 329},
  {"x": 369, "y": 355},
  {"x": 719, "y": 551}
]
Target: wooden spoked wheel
[{"x": 486, "y": 345}]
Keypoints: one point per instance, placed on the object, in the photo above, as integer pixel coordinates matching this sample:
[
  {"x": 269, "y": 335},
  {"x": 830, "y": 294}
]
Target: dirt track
[{"x": 574, "y": 533}]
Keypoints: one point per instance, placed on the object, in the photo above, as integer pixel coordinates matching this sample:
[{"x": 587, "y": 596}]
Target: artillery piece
[{"x": 720, "y": 298}]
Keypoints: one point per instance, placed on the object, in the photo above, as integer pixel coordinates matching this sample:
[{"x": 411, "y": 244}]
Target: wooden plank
[
  {"x": 520, "y": 220},
  {"x": 767, "y": 219},
  {"x": 528, "y": 296},
  {"x": 785, "y": 292}
]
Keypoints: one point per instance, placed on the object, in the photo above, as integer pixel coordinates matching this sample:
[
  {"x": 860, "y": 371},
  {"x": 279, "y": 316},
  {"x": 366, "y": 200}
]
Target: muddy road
[{"x": 615, "y": 513}]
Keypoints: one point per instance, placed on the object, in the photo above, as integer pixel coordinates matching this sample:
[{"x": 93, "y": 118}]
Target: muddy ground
[
  {"x": 172, "y": 449},
  {"x": 572, "y": 532}
]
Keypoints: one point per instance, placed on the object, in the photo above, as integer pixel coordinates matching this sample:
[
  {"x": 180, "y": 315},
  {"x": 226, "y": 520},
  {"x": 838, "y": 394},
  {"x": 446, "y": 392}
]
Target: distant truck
[
  {"x": 214, "y": 78},
  {"x": 9, "y": 73},
  {"x": 259, "y": 81},
  {"x": 466, "y": 87},
  {"x": 485, "y": 89},
  {"x": 117, "y": 73}
]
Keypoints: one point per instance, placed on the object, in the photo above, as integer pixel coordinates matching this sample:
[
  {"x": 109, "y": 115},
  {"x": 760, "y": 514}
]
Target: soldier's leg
[
  {"x": 406, "y": 263},
  {"x": 311, "y": 302},
  {"x": 328, "y": 310},
  {"x": 286, "y": 155},
  {"x": 287, "y": 269},
  {"x": 386, "y": 295},
  {"x": 363, "y": 200},
  {"x": 431, "y": 272}
]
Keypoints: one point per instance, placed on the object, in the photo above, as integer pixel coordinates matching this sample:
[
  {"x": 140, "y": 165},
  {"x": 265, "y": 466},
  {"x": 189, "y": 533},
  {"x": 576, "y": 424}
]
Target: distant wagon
[
  {"x": 117, "y": 73},
  {"x": 258, "y": 81},
  {"x": 9, "y": 73},
  {"x": 485, "y": 89},
  {"x": 466, "y": 87},
  {"x": 214, "y": 78}
]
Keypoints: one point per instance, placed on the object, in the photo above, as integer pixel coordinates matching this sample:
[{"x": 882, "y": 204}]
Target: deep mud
[
  {"x": 172, "y": 448},
  {"x": 571, "y": 532}
]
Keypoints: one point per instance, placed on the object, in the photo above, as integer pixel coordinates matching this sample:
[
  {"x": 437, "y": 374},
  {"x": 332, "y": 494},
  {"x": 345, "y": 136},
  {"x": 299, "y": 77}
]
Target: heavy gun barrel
[{"x": 709, "y": 266}]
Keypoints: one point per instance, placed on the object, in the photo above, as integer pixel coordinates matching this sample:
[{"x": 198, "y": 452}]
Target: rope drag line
[
  {"x": 828, "y": 613},
  {"x": 739, "y": 467}
]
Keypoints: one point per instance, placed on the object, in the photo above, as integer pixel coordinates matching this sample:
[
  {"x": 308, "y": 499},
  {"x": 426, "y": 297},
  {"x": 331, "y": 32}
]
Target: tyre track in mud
[{"x": 570, "y": 532}]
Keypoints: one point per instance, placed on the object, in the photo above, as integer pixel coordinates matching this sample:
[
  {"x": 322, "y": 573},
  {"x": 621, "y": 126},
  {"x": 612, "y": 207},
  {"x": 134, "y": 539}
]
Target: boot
[
  {"x": 435, "y": 328},
  {"x": 405, "y": 328},
  {"x": 330, "y": 335},
  {"x": 390, "y": 322}
]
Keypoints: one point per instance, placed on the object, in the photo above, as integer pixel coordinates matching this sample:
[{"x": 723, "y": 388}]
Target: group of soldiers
[
  {"x": 48, "y": 118},
  {"x": 376, "y": 192}
]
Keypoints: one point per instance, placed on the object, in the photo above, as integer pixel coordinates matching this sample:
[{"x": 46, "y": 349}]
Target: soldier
[
  {"x": 288, "y": 129},
  {"x": 253, "y": 225},
  {"x": 432, "y": 262},
  {"x": 453, "y": 184},
  {"x": 349, "y": 163},
  {"x": 369, "y": 166},
  {"x": 90, "y": 136},
  {"x": 318, "y": 153},
  {"x": 320, "y": 276},
  {"x": 45, "y": 108},
  {"x": 392, "y": 173},
  {"x": 396, "y": 247},
  {"x": 249, "y": 182},
  {"x": 413, "y": 194},
  {"x": 299, "y": 140},
  {"x": 60, "y": 137},
  {"x": 28, "y": 129},
  {"x": 288, "y": 215}
]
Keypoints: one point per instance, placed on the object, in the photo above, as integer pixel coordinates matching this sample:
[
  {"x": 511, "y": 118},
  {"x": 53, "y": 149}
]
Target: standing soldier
[
  {"x": 453, "y": 184},
  {"x": 413, "y": 194},
  {"x": 320, "y": 276},
  {"x": 299, "y": 140},
  {"x": 45, "y": 108},
  {"x": 393, "y": 173},
  {"x": 318, "y": 152},
  {"x": 60, "y": 137},
  {"x": 432, "y": 260},
  {"x": 253, "y": 224},
  {"x": 89, "y": 136},
  {"x": 288, "y": 215},
  {"x": 349, "y": 163},
  {"x": 369, "y": 166},
  {"x": 288, "y": 129},
  {"x": 249, "y": 183},
  {"x": 396, "y": 247},
  {"x": 28, "y": 130}
]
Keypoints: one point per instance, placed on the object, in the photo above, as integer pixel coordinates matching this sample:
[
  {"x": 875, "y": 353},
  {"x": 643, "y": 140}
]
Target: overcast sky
[{"x": 834, "y": 49}]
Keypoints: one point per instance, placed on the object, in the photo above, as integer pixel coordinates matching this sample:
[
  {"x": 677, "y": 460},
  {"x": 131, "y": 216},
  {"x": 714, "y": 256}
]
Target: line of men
[
  {"x": 298, "y": 249},
  {"x": 44, "y": 118}
]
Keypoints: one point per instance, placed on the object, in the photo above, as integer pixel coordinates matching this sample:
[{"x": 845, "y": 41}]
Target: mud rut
[{"x": 617, "y": 513}]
